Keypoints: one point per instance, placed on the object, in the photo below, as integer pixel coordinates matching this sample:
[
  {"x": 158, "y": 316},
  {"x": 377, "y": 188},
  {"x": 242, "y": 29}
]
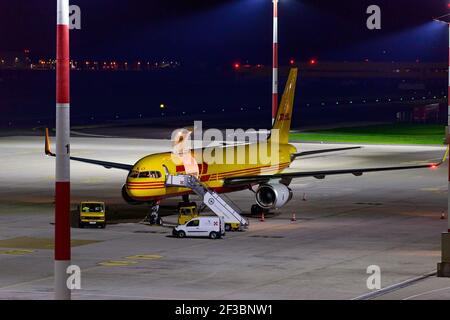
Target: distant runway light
[
  {"x": 237, "y": 65},
  {"x": 162, "y": 106},
  {"x": 312, "y": 61}
]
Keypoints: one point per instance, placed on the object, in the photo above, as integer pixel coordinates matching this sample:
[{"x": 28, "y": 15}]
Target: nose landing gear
[{"x": 153, "y": 216}]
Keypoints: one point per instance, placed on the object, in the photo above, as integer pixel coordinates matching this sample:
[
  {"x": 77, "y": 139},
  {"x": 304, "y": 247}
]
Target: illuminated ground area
[{"x": 346, "y": 224}]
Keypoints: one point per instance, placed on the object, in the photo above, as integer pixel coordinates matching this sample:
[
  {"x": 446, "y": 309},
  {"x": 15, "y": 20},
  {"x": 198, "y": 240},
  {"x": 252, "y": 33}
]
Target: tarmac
[{"x": 344, "y": 225}]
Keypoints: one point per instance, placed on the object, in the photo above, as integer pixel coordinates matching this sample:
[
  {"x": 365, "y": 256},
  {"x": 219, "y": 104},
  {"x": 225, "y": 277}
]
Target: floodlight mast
[
  {"x": 62, "y": 176},
  {"x": 275, "y": 61}
]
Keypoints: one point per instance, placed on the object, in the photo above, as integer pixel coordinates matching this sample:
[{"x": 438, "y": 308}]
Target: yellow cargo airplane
[{"x": 146, "y": 180}]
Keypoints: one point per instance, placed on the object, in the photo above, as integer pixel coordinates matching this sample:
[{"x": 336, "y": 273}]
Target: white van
[{"x": 213, "y": 227}]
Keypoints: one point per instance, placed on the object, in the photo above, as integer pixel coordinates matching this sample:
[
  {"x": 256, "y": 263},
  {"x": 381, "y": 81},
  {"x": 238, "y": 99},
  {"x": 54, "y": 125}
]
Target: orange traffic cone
[
  {"x": 293, "y": 219},
  {"x": 442, "y": 216},
  {"x": 304, "y": 197},
  {"x": 262, "y": 217}
]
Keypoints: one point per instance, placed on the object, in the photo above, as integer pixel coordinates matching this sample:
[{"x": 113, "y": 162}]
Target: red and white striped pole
[
  {"x": 275, "y": 62},
  {"x": 62, "y": 185}
]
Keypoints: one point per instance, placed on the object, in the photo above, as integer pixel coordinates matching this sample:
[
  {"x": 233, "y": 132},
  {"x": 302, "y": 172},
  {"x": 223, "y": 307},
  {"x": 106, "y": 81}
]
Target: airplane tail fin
[{"x": 284, "y": 115}]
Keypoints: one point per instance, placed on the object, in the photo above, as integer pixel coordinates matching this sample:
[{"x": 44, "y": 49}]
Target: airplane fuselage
[{"x": 146, "y": 181}]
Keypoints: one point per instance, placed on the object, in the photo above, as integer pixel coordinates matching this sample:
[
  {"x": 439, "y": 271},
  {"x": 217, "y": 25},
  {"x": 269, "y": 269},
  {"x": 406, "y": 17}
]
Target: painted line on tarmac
[
  {"x": 394, "y": 287},
  {"x": 117, "y": 263},
  {"x": 16, "y": 252},
  {"x": 130, "y": 260},
  {"x": 144, "y": 257}
]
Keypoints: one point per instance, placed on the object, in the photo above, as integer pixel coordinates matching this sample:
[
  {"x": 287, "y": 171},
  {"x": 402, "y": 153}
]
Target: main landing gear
[{"x": 256, "y": 210}]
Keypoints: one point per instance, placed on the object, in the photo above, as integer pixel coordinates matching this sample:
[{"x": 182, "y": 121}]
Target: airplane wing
[
  {"x": 308, "y": 153},
  {"x": 106, "y": 164},
  {"x": 321, "y": 174}
]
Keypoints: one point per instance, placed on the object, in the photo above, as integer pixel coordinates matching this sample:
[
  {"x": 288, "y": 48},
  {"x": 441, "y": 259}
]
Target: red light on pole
[
  {"x": 312, "y": 61},
  {"x": 292, "y": 61},
  {"x": 237, "y": 65}
]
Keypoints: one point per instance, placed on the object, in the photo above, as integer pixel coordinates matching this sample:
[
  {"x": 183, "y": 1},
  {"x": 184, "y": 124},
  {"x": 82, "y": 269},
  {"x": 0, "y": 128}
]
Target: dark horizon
[{"x": 219, "y": 32}]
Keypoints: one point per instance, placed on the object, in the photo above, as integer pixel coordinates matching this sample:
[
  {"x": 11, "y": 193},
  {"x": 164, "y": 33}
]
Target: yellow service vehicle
[
  {"x": 187, "y": 212},
  {"x": 92, "y": 213}
]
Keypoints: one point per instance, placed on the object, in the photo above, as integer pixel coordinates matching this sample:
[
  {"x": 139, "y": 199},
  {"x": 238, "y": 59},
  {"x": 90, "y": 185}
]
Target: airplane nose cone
[{"x": 127, "y": 195}]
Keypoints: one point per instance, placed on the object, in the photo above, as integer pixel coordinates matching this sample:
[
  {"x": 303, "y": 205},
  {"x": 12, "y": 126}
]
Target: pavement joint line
[
  {"x": 76, "y": 293},
  {"x": 324, "y": 267},
  {"x": 50, "y": 277},
  {"x": 41, "y": 279},
  {"x": 425, "y": 293},
  {"x": 394, "y": 287}
]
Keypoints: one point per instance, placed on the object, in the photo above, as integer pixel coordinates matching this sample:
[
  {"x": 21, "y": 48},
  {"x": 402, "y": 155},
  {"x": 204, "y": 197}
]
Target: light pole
[
  {"x": 275, "y": 61},
  {"x": 444, "y": 265},
  {"x": 62, "y": 184}
]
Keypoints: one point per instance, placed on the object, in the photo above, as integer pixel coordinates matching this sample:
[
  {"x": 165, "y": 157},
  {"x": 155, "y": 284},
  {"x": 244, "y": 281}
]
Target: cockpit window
[
  {"x": 133, "y": 174},
  {"x": 150, "y": 174},
  {"x": 145, "y": 174}
]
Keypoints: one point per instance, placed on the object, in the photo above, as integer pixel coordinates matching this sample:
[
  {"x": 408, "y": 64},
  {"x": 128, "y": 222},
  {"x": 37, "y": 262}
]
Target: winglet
[
  {"x": 445, "y": 154},
  {"x": 48, "y": 151},
  {"x": 444, "y": 158}
]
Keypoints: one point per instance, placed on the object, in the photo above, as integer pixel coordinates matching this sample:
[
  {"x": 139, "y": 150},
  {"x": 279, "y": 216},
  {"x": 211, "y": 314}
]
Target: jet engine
[{"x": 273, "y": 196}]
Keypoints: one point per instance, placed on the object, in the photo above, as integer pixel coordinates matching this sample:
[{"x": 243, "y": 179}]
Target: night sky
[{"x": 210, "y": 32}]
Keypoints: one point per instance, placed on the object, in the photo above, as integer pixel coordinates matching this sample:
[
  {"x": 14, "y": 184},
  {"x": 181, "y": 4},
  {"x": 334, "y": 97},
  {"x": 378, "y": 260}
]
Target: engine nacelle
[{"x": 273, "y": 196}]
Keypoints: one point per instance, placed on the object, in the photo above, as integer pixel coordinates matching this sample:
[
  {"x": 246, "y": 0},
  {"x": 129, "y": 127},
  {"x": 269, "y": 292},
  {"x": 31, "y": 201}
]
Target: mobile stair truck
[{"x": 222, "y": 208}]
